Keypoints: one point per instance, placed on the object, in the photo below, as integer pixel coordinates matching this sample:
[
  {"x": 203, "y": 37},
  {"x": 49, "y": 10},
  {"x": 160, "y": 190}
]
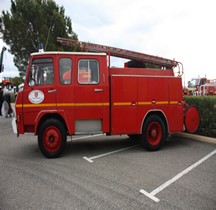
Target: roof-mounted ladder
[{"x": 121, "y": 53}]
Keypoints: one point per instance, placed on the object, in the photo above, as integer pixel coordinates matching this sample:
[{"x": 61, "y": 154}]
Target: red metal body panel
[
  {"x": 176, "y": 110},
  {"x": 123, "y": 104},
  {"x": 135, "y": 93}
]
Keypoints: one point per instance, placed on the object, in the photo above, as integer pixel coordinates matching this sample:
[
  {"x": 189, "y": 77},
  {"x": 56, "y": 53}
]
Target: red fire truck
[
  {"x": 201, "y": 86},
  {"x": 7, "y": 86},
  {"x": 69, "y": 93}
]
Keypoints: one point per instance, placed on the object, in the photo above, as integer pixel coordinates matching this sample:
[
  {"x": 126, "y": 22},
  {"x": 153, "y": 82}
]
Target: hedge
[{"x": 207, "y": 110}]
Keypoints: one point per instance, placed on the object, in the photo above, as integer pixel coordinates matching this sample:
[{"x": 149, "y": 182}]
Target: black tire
[
  {"x": 153, "y": 133},
  {"x": 52, "y": 138}
]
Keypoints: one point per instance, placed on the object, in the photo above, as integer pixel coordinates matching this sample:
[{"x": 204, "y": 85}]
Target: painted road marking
[
  {"x": 149, "y": 195},
  {"x": 90, "y": 159},
  {"x": 152, "y": 194}
]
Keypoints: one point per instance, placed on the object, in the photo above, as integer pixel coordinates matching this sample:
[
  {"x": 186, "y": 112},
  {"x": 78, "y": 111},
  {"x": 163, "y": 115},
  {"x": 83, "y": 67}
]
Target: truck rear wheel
[
  {"x": 52, "y": 138},
  {"x": 153, "y": 133}
]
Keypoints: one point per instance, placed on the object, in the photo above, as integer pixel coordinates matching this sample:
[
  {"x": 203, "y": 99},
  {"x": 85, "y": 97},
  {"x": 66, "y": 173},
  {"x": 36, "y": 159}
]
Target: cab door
[
  {"x": 65, "y": 91},
  {"x": 39, "y": 94},
  {"x": 89, "y": 93}
]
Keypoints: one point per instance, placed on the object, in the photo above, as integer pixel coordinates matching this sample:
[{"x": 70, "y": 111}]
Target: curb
[{"x": 196, "y": 137}]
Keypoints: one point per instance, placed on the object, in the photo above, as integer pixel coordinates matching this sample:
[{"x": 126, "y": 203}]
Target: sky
[{"x": 183, "y": 30}]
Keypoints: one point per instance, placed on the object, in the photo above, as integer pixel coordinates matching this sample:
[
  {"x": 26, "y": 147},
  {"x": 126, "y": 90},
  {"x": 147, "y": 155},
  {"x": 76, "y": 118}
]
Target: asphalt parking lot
[{"x": 100, "y": 172}]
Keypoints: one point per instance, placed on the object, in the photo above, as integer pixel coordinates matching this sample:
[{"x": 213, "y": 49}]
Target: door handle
[
  {"x": 98, "y": 90},
  {"x": 52, "y": 91}
]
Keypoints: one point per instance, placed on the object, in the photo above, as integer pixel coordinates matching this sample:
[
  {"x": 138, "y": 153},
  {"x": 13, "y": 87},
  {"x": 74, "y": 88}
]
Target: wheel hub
[
  {"x": 154, "y": 133},
  {"x": 51, "y": 138}
]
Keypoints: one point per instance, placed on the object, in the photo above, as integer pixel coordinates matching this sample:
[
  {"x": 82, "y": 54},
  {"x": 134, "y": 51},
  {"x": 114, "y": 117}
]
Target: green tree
[
  {"x": 31, "y": 22},
  {"x": 17, "y": 81}
]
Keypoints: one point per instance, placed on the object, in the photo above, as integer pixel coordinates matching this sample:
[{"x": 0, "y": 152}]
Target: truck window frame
[
  {"x": 63, "y": 70},
  {"x": 38, "y": 65},
  {"x": 88, "y": 72}
]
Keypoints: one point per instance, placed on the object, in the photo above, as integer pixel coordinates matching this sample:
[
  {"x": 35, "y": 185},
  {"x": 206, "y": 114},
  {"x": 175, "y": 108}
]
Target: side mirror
[{"x": 31, "y": 82}]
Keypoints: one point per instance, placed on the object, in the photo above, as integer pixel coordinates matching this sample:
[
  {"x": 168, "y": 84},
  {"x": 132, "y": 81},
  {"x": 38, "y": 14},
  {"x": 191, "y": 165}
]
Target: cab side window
[
  {"x": 65, "y": 70},
  {"x": 88, "y": 71},
  {"x": 41, "y": 72}
]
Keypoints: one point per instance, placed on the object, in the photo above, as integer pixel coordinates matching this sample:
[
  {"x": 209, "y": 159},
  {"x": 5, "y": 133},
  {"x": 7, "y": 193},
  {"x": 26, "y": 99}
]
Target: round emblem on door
[{"x": 36, "y": 96}]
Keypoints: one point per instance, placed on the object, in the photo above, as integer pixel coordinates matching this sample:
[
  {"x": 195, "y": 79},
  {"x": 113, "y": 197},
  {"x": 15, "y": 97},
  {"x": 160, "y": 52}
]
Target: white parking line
[
  {"x": 90, "y": 159},
  {"x": 152, "y": 194}
]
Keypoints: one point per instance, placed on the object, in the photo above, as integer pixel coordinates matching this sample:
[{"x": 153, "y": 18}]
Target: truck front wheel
[
  {"x": 153, "y": 133},
  {"x": 52, "y": 138}
]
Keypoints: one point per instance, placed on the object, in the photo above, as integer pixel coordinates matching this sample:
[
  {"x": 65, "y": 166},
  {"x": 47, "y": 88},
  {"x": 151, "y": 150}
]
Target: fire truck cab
[
  {"x": 78, "y": 93},
  {"x": 201, "y": 86}
]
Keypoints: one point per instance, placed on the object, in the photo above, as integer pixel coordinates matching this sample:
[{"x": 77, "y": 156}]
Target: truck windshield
[
  {"x": 41, "y": 72},
  {"x": 193, "y": 83}
]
